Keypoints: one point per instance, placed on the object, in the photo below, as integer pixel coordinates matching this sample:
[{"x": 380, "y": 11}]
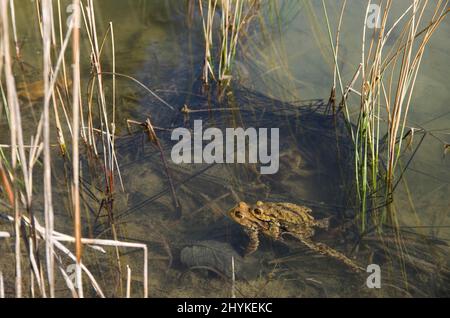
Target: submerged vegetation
[{"x": 62, "y": 118}]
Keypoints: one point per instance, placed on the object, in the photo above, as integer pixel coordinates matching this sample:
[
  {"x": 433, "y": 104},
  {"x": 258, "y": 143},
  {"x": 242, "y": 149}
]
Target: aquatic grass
[
  {"x": 229, "y": 27},
  {"x": 208, "y": 23},
  {"x": 108, "y": 128},
  {"x": 234, "y": 15},
  {"x": 386, "y": 85},
  {"x": 18, "y": 160}
]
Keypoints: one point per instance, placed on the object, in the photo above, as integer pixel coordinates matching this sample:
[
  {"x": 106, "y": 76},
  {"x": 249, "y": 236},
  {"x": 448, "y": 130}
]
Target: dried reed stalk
[{"x": 75, "y": 142}]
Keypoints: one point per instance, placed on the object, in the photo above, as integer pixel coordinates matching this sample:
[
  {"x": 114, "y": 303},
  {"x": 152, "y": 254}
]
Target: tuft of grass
[
  {"x": 384, "y": 83},
  {"x": 234, "y": 16}
]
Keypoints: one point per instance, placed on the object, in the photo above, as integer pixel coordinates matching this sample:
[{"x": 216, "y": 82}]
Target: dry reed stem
[
  {"x": 233, "y": 279},
  {"x": 58, "y": 238},
  {"x": 208, "y": 37},
  {"x": 128, "y": 281},
  {"x": 75, "y": 142},
  {"x": 16, "y": 138},
  {"x": 2, "y": 286},
  {"x": 6, "y": 185},
  {"x": 48, "y": 205}
]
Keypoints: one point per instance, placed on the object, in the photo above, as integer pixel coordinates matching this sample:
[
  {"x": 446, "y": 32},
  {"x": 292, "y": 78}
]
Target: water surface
[{"x": 282, "y": 78}]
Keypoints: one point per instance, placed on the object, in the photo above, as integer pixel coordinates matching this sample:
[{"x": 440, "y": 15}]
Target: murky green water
[{"x": 280, "y": 71}]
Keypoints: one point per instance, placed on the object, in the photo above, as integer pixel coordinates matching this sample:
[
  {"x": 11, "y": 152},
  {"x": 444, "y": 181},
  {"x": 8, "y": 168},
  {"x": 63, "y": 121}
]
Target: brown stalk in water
[
  {"x": 153, "y": 138},
  {"x": 6, "y": 185},
  {"x": 75, "y": 143}
]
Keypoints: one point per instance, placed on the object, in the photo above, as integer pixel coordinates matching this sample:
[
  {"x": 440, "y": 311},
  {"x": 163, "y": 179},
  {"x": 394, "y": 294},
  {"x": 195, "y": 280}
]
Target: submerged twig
[{"x": 155, "y": 141}]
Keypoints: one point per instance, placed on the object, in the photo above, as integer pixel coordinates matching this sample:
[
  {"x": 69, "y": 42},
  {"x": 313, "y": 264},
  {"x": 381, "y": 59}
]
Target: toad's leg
[
  {"x": 273, "y": 231},
  {"x": 328, "y": 251},
  {"x": 253, "y": 241}
]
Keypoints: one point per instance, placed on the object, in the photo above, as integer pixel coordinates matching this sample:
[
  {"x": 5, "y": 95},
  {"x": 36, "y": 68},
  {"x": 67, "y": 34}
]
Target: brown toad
[{"x": 275, "y": 219}]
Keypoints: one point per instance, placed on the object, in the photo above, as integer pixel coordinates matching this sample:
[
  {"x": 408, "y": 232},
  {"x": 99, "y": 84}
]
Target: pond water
[{"x": 282, "y": 79}]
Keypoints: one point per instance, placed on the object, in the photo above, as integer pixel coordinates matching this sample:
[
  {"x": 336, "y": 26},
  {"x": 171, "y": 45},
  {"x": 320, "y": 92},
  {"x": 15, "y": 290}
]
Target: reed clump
[
  {"x": 234, "y": 16},
  {"x": 82, "y": 120},
  {"x": 383, "y": 83}
]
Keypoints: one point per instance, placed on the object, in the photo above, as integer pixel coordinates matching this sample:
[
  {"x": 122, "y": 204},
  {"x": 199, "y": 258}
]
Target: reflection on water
[{"x": 191, "y": 256}]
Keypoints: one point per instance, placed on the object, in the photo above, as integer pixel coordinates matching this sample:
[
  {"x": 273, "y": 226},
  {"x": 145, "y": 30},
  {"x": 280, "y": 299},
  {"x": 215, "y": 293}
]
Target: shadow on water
[
  {"x": 316, "y": 170},
  {"x": 191, "y": 256}
]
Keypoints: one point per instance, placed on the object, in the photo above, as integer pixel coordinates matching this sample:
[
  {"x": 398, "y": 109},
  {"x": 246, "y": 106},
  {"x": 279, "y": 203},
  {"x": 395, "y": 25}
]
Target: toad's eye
[
  {"x": 257, "y": 211},
  {"x": 238, "y": 215}
]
